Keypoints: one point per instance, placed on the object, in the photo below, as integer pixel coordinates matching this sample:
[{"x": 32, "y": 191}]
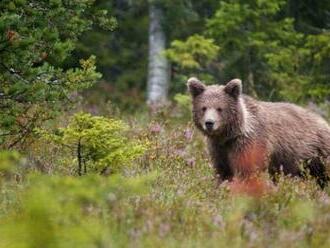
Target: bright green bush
[{"x": 98, "y": 143}]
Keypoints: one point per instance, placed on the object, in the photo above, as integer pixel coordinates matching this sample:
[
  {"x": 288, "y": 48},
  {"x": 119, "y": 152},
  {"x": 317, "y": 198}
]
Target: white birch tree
[{"x": 158, "y": 66}]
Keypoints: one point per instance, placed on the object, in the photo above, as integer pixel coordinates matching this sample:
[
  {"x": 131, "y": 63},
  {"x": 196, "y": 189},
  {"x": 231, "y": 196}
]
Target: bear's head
[{"x": 217, "y": 109}]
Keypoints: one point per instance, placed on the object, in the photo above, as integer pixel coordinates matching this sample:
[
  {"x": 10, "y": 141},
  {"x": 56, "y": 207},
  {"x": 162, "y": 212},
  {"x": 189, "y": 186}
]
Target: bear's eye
[
  {"x": 204, "y": 109},
  {"x": 219, "y": 109}
]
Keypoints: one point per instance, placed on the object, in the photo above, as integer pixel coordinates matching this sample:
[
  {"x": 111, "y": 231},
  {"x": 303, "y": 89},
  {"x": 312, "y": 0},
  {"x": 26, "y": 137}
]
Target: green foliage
[
  {"x": 123, "y": 56},
  {"x": 57, "y": 211},
  {"x": 258, "y": 42},
  {"x": 35, "y": 38},
  {"x": 195, "y": 53},
  {"x": 183, "y": 102},
  {"x": 259, "y": 46},
  {"x": 99, "y": 144},
  {"x": 279, "y": 52},
  {"x": 8, "y": 162},
  {"x": 192, "y": 58}
]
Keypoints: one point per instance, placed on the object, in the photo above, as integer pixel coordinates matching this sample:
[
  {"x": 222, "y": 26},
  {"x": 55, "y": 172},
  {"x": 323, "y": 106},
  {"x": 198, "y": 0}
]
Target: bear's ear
[
  {"x": 234, "y": 88},
  {"x": 195, "y": 86}
]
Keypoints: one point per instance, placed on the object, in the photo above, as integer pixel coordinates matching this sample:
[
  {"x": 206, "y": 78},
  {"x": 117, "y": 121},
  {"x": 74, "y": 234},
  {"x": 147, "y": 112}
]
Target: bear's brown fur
[{"x": 246, "y": 136}]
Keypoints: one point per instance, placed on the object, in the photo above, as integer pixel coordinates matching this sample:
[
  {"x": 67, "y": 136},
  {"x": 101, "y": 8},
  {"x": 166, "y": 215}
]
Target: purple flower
[
  {"x": 155, "y": 128},
  {"x": 188, "y": 133},
  {"x": 191, "y": 162}
]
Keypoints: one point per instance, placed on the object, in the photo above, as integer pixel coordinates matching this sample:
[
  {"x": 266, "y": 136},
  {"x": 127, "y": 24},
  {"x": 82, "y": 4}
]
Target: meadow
[{"x": 165, "y": 197}]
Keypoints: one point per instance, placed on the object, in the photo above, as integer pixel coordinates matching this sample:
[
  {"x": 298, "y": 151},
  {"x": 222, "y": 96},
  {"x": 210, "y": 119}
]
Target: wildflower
[
  {"x": 188, "y": 134},
  {"x": 155, "y": 128}
]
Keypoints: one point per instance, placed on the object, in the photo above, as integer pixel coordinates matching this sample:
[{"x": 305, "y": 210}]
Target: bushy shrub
[{"x": 98, "y": 143}]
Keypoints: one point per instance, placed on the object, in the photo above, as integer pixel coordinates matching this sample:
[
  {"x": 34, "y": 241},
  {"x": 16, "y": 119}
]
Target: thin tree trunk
[
  {"x": 79, "y": 158},
  {"x": 158, "y": 69}
]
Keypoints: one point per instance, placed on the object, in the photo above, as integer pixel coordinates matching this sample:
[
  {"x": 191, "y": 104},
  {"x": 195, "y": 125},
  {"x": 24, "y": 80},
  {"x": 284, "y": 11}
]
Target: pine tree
[{"x": 35, "y": 38}]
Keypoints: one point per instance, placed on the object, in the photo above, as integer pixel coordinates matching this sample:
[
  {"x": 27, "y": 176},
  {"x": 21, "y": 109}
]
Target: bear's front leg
[
  {"x": 220, "y": 161},
  {"x": 223, "y": 171}
]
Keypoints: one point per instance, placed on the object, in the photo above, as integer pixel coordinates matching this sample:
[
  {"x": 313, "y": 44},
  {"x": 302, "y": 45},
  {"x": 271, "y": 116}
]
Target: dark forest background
[{"x": 280, "y": 49}]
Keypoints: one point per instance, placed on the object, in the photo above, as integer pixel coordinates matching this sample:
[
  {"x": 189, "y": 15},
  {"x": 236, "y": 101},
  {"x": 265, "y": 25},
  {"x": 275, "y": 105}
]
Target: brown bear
[{"x": 246, "y": 136}]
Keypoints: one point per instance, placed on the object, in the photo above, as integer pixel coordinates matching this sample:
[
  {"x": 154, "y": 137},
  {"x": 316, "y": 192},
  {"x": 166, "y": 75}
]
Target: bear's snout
[{"x": 209, "y": 124}]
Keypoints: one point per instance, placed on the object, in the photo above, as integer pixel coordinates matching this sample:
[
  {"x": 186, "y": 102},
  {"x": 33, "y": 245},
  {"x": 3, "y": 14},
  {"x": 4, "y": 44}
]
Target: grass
[{"x": 168, "y": 198}]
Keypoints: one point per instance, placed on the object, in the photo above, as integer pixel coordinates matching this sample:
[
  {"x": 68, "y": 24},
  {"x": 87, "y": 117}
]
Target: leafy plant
[{"x": 99, "y": 144}]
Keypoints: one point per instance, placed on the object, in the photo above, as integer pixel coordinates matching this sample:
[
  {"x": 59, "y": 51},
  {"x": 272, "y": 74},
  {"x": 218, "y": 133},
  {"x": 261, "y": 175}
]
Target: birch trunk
[{"x": 158, "y": 68}]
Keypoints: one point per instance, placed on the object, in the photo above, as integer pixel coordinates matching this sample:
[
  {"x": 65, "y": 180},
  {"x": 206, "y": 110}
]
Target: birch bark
[{"x": 158, "y": 67}]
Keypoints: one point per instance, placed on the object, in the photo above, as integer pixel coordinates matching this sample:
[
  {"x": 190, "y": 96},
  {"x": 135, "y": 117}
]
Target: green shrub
[{"x": 100, "y": 144}]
